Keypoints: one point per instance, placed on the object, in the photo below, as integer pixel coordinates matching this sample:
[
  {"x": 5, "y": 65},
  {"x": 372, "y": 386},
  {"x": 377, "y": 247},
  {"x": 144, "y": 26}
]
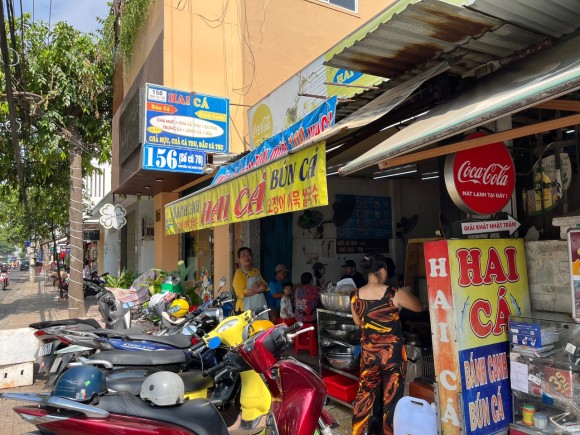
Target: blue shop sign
[
  {"x": 176, "y": 118},
  {"x": 173, "y": 159}
]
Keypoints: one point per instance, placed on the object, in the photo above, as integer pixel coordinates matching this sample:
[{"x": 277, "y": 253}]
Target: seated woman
[{"x": 306, "y": 299}]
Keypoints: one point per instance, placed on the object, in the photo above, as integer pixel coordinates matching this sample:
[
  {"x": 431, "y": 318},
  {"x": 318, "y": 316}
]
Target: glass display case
[{"x": 544, "y": 374}]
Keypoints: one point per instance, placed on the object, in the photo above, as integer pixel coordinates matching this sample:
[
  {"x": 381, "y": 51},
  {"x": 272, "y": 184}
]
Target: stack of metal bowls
[
  {"x": 344, "y": 332},
  {"x": 335, "y": 302},
  {"x": 342, "y": 358}
]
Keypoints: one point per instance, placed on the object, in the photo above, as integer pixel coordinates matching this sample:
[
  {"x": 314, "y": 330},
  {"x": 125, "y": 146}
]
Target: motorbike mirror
[
  {"x": 222, "y": 281},
  {"x": 214, "y": 342},
  {"x": 189, "y": 330},
  {"x": 128, "y": 304}
]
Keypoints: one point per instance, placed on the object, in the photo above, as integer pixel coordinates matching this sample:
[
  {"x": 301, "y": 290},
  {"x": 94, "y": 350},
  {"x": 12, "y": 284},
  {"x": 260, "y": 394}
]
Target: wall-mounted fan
[
  {"x": 406, "y": 225},
  {"x": 310, "y": 219}
]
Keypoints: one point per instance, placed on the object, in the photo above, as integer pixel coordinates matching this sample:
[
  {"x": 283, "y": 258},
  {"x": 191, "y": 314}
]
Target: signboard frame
[
  {"x": 173, "y": 117},
  {"x": 474, "y": 286},
  {"x": 573, "y": 242}
]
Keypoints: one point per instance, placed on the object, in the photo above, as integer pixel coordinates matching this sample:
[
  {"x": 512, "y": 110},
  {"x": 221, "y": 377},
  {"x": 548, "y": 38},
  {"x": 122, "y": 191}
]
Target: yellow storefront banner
[{"x": 294, "y": 183}]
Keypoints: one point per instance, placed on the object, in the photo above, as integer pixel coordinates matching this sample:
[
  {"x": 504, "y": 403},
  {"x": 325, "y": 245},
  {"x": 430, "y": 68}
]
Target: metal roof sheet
[
  {"x": 432, "y": 30},
  {"x": 543, "y": 76}
]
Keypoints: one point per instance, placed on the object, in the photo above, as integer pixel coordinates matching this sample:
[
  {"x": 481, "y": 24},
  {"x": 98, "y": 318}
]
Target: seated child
[{"x": 286, "y": 310}]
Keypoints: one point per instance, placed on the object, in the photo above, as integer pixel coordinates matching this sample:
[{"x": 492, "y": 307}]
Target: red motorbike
[
  {"x": 4, "y": 280},
  {"x": 298, "y": 396}
]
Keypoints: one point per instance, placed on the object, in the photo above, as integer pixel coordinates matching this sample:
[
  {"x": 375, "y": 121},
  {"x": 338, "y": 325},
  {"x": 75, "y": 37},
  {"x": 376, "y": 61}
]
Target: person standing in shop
[
  {"x": 248, "y": 284},
  {"x": 276, "y": 292},
  {"x": 375, "y": 308},
  {"x": 319, "y": 279},
  {"x": 351, "y": 272}
]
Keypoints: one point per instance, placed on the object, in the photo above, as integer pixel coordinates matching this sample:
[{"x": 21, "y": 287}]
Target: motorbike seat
[
  {"x": 179, "y": 341},
  {"x": 198, "y": 415},
  {"x": 140, "y": 358},
  {"x": 193, "y": 381},
  {"x": 116, "y": 333},
  {"x": 66, "y": 322}
]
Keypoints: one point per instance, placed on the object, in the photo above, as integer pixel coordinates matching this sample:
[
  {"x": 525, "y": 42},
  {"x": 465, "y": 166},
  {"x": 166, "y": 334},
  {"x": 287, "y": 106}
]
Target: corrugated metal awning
[
  {"x": 378, "y": 107},
  {"x": 471, "y": 36},
  {"x": 543, "y": 76}
]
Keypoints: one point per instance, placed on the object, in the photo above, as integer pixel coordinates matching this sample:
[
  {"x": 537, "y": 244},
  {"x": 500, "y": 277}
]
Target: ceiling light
[
  {"x": 397, "y": 169},
  {"x": 334, "y": 148},
  {"x": 159, "y": 180},
  {"x": 430, "y": 174},
  {"x": 146, "y": 187},
  {"x": 570, "y": 131},
  {"x": 397, "y": 124},
  {"x": 430, "y": 177},
  {"x": 395, "y": 174}
]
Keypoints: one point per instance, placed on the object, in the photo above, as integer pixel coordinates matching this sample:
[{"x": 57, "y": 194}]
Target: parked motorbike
[
  {"x": 94, "y": 285},
  {"x": 85, "y": 345},
  {"x": 47, "y": 333},
  {"x": 81, "y": 404}
]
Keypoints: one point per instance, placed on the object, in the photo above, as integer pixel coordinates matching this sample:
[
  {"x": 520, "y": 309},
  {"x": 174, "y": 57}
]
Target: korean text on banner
[
  {"x": 295, "y": 183},
  {"x": 308, "y": 127}
]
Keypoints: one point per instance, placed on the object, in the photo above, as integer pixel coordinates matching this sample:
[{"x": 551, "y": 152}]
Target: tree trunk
[{"x": 76, "y": 302}]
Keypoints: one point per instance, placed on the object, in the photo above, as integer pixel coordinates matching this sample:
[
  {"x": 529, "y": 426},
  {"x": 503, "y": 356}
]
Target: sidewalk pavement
[{"x": 24, "y": 303}]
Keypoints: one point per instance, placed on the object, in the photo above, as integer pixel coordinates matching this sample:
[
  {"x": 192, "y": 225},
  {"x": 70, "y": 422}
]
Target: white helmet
[{"x": 163, "y": 389}]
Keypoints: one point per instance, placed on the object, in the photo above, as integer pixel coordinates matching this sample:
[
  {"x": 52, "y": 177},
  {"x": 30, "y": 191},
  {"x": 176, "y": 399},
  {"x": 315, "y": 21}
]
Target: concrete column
[
  {"x": 166, "y": 247},
  {"x": 223, "y": 247}
]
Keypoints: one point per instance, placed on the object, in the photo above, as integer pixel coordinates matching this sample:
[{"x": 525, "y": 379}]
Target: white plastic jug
[{"x": 414, "y": 417}]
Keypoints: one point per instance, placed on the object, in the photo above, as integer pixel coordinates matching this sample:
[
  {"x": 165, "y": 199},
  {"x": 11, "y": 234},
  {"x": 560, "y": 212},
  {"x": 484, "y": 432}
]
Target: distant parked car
[{"x": 24, "y": 265}]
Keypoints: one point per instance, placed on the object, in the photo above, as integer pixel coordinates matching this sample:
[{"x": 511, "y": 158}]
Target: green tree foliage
[{"x": 63, "y": 92}]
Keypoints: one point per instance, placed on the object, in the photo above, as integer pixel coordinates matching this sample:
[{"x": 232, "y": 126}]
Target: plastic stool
[
  {"x": 287, "y": 322},
  {"x": 307, "y": 341}
]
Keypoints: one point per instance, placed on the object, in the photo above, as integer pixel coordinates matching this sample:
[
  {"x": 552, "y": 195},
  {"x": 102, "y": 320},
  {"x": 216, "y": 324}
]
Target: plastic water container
[{"x": 414, "y": 417}]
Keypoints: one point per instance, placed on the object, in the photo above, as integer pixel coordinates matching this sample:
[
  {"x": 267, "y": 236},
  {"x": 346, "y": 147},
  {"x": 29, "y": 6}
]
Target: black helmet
[{"x": 80, "y": 383}]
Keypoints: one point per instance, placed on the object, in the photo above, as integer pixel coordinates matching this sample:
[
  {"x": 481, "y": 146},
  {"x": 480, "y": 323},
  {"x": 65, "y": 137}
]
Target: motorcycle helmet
[
  {"x": 81, "y": 384},
  {"x": 257, "y": 326},
  {"x": 178, "y": 308},
  {"x": 163, "y": 389}
]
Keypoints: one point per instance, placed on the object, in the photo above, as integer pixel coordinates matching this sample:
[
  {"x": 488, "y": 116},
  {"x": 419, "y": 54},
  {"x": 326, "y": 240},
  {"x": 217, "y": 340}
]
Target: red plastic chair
[{"x": 307, "y": 341}]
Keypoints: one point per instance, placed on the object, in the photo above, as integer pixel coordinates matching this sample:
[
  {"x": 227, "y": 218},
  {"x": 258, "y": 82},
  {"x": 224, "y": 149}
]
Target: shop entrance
[{"x": 276, "y": 243}]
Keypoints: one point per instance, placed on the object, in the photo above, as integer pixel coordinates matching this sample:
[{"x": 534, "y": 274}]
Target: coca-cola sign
[{"x": 480, "y": 180}]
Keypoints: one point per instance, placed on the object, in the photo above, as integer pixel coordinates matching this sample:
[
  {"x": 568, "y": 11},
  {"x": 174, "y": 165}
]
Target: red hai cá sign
[{"x": 480, "y": 180}]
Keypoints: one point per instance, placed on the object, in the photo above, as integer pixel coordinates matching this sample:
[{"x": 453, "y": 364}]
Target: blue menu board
[{"x": 369, "y": 226}]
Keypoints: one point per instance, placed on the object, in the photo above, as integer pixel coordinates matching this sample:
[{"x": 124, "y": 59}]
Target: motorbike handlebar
[
  {"x": 213, "y": 370},
  {"x": 293, "y": 328},
  {"x": 197, "y": 347}
]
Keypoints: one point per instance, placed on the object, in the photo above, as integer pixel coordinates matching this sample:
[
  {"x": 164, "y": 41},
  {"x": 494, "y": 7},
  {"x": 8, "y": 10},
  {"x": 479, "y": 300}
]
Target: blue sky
[{"x": 80, "y": 14}]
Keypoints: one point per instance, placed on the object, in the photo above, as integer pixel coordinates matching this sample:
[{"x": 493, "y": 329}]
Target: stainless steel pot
[
  {"x": 342, "y": 361},
  {"x": 335, "y": 302},
  {"x": 344, "y": 332}
]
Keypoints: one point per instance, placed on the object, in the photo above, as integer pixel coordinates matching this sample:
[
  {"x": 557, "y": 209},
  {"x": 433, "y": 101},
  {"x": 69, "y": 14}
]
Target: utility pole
[{"x": 11, "y": 108}]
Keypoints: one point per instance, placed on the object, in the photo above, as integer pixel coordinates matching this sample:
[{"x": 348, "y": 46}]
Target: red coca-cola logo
[{"x": 480, "y": 180}]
